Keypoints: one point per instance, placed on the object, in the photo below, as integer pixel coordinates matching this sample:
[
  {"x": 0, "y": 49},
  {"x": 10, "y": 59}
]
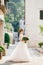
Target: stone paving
[{"x": 37, "y": 58}]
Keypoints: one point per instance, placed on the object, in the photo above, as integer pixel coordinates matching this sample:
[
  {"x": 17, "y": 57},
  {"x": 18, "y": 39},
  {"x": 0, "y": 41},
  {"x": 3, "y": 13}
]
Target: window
[{"x": 41, "y": 14}]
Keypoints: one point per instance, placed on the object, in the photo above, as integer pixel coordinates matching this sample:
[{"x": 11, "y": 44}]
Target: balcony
[
  {"x": 3, "y": 8},
  {"x": 3, "y": 5}
]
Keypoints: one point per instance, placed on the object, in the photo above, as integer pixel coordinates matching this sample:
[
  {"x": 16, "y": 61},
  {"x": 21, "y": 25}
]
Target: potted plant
[
  {"x": 1, "y": 53},
  {"x": 7, "y": 39},
  {"x": 3, "y": 50},
  {"x": 25, "y": 39},
  {"x": 40, "y": 44}
]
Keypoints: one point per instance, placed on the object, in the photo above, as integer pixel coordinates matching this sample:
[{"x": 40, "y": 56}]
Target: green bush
[
  {"x": 7, "y": 38},
  {"x": 40, "y": 44},
  {"x": 25, "y": 39},
  {"x": 1, "y": 48}
]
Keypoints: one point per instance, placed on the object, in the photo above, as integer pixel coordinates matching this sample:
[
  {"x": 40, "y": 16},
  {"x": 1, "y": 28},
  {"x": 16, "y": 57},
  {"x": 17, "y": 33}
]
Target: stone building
[
  {"x": 33, "y": 21},
  {"x": 3, "y": 11}
]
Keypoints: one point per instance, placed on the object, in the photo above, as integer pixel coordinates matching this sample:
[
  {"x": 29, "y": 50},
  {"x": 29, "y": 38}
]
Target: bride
[{"x": 21, "y": 52}]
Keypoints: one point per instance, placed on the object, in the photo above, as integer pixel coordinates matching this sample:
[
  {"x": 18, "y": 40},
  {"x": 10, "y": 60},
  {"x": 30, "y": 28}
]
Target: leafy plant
[
  {"x": 1, "y": 50},
  {"x": 7, "y": 0},
  {"x": 16, "y": 8},
  {"x": 25, "y": 39},
  {"x": 7, "y": 38},
  {"x": 15, "y": 13},
  {"x": 41, "y": 29},
  {"x": 6, "y": 17},
  {"x": 9, "y": 26},
  {"x": 16, "y": 26}
]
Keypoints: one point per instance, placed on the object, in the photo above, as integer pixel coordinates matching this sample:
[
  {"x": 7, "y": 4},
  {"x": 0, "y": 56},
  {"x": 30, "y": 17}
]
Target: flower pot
[
  {"x": 0, "y": 55},
  {"x": 3, "y": 53}
]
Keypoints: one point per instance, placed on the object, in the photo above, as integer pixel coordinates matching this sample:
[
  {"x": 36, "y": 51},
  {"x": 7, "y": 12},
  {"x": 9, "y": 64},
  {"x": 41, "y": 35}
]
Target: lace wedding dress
[{"x": 20, "y": 53}]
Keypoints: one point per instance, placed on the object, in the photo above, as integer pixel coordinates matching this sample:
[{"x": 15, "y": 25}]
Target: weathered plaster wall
[{"x": 33, "y": 21}]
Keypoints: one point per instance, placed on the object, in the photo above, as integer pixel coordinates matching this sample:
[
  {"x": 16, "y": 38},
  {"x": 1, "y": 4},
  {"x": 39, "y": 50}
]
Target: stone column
[
  {"x": 1, "y": 32},
  {"x": 1, "y": 27}
]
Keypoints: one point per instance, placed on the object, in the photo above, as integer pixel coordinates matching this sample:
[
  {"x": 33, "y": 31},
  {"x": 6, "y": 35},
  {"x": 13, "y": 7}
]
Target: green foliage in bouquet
[
  {"x": 25, "y": 39},
  {"x": 40, "y": 44}
]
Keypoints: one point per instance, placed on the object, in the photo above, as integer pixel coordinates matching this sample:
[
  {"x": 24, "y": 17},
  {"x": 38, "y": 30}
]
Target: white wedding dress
[{"x": 20, "y": 53}]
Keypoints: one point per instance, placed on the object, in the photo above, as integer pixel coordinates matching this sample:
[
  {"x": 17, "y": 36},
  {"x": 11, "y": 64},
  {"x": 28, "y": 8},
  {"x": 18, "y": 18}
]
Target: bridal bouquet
[{"x": 25, "y": 39}]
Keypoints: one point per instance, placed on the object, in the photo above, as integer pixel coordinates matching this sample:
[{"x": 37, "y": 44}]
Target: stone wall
[
  {"x": 1, "y": 27},
  {"x": 33, "y": 21},
  {"x": 1, "y": 32}
]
